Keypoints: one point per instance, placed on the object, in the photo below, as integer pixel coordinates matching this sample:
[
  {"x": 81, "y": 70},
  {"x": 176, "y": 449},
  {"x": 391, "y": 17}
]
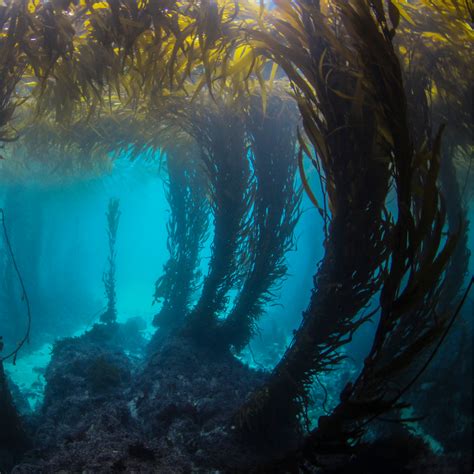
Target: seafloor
[{"x": 105, "y": 410}]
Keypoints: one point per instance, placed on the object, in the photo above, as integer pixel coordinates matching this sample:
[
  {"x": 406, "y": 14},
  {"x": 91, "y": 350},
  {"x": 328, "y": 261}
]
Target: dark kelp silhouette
[
  {"x": 109, "y": 278},
  {"x": 272, "y": 137},
  {"x": 219, "y": 130},
  {"x": 187, "y": 230},
  {"x": 347, "y": 146},
  {"x": 408, "y": 328}
]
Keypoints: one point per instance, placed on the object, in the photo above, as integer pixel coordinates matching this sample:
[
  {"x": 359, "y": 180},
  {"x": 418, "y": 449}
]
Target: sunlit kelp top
[
  {"x": 81, "y": 60},
  {"x": 382, "y": 93},
  {"x": 77, "y": 62}
]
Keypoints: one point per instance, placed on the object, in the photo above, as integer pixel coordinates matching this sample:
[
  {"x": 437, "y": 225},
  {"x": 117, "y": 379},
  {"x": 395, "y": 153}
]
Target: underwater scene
[{"x": 236, "y": 236}]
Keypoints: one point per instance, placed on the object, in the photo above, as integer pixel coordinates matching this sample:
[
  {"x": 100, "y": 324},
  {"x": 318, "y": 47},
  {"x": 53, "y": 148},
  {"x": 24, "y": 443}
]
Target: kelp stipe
[
  {"x": 187, "y": 229},
  {"x": 272, "y": 137},
  {"x": 344, "y": 148},
  {"x": 407, "y": 331},
  {"x": 109, "y": 278},
  {"x": 219, "y": 129}
]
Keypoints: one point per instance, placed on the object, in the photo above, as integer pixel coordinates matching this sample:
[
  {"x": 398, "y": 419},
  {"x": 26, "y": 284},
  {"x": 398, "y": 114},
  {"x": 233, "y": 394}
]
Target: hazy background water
[{"x": 58, "y": 234}]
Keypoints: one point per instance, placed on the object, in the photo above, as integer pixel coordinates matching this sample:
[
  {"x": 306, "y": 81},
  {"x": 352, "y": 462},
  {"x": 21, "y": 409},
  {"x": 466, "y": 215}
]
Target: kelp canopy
[{"x": 382, "y": 89}]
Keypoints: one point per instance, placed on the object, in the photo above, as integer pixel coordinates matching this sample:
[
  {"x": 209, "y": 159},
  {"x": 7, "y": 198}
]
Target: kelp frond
[
  {"x": 346, "y": 148},
  {"x": 411, "y": 321},
  {"x": 272, "y": 136},
  {"x": 109, "y": 279},
  {"x": 187, "y": 230},
  {"x": 220, "y": 131}
]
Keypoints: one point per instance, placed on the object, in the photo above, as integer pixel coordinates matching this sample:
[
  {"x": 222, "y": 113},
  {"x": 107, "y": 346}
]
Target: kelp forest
[{"x": 235, "y": 236}]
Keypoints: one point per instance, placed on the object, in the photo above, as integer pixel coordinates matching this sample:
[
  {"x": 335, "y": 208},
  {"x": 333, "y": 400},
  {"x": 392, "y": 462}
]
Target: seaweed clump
[{"x": 103, "y": 375}]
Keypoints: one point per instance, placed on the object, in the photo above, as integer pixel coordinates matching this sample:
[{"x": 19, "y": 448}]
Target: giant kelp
[
  {"x": 187, "y": 230},
  {"x": 272, "y": 137},
  {"x": 409, "y": 325},
  {"x": 371, "y": 106},
  {"x": 430, "y": 62},
  {"x": 342, "y": 131},
  {"x": 12, "y": 65},
  {"x": 416, "y": 247},
  {"x": 125, "y": 51},
  {"x": 220, "y": 131},
  {"x": 109, "y": 277}
]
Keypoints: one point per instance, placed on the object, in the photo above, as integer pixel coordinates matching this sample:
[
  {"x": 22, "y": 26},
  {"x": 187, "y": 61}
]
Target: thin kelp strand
[{"x": 24, "y": 296}]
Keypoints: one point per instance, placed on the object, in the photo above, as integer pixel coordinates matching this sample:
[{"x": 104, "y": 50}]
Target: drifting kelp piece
[
  {"x": 345, "y": 146},
  {"x": 187, "y": 231},
  {"x": 113, "y": 217},
  {"x": 272, "y": 137}
]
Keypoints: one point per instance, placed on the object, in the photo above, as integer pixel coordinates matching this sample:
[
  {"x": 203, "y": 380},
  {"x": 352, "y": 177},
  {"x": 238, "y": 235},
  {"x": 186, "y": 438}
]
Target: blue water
[{"x": 58, "y": 234}]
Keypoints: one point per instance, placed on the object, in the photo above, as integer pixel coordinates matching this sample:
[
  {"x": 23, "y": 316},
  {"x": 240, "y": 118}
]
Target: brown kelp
[
  {"x": 219, "y": 130},
  {"x": 109, "y": 279},
  {"x": 430, "y": 59},
  {"x": 348, "y": 152},
  {"x": 125, "y": 51},
  {"x": 187, "y": 230},
  {"x": 12, "y": 65},
  {"x": 410, "y": 326},
  {"x": 449, "y": 103},
  {"x": 84, "y": 146},
  {"x": 272, "y": 136},
  {"x": 374, "y": 81}
]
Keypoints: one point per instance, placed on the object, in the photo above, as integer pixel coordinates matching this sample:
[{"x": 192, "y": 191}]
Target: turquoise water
[
  {"x": 67, "y": 239},
  {"x": 62, "y": 256}
]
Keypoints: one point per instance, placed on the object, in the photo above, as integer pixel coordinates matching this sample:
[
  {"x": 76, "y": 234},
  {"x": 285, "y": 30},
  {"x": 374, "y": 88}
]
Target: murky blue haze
[{"x": 58, "y": 234}]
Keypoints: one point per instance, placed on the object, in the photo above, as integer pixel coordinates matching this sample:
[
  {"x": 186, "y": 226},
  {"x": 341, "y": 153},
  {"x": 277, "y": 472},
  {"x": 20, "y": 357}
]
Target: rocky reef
[{"x": 106, "y": 411}]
